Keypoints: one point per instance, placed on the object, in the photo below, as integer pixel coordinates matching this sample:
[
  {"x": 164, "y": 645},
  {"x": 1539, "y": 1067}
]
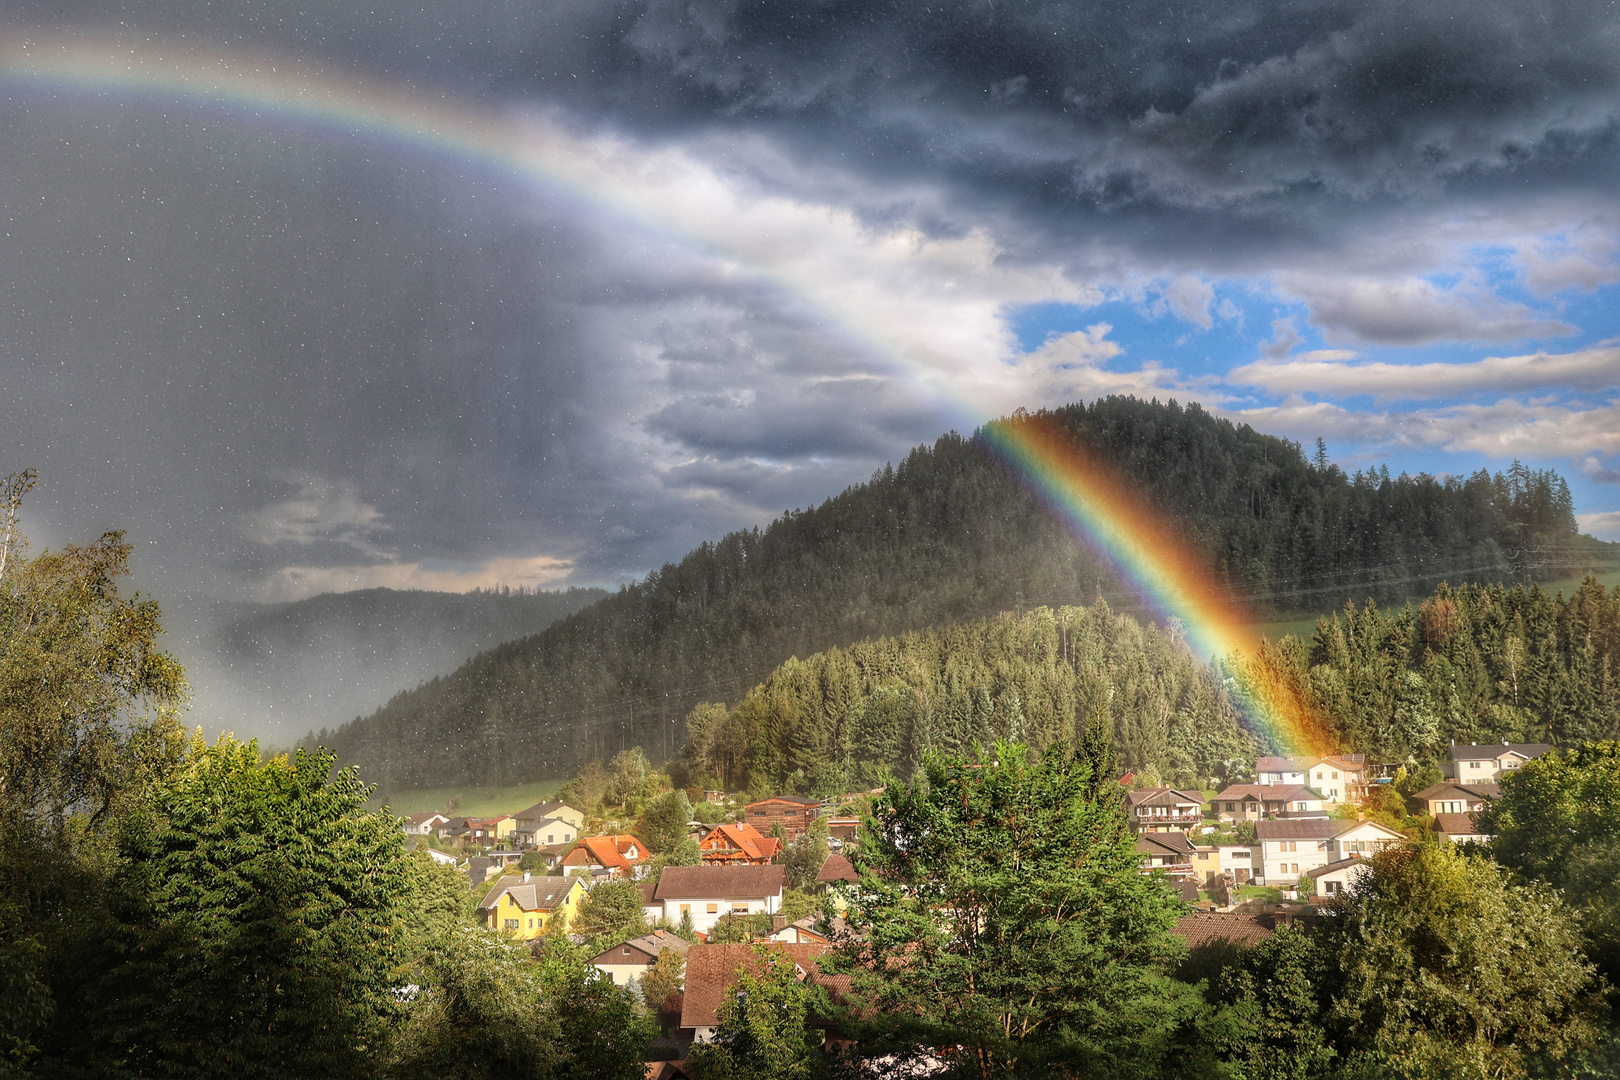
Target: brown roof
[
  {"x": 1477, "y": 791},
  {"x": 1299, "y": 829},
  {"x": 792, "y": 800},
  {"x": 1163, "y": 796},
  {"x": 1456, "y": 825},
  {"x": 1206, "y": 927},
  {"x": 711, "y": 970},
  {"x": 1334, "y": 867},
  {"x": 837, "y": 868},
  {"x": 720, "y": 882},
  {"x": 649, "y": 944},
  {"x": 1164, "y": 843}
]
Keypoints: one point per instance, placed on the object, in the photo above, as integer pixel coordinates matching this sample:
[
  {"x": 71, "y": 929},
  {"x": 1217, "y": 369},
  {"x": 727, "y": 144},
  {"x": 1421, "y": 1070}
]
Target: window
[
  {"x": 1335, "y": 774},
  {"x": 686, "y": 909},
  {"x": 510, "y": 924},
  {"x": 627, "y": 950},
  {"x": 1231, "y": 807},
  {"x": 713, "y": 908},
  {"x": 551, "y": 838},
  {"x": 739, "y": 909}
]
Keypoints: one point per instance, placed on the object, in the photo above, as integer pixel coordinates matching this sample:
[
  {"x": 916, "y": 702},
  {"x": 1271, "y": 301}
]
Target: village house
[
  {"x": 629, "y": 961},
  {"x": 525, "y": 906},
  {"x": 1450, "y": 797},
  {"x": 790, "y": 811},
  {"x": 806, "y": 931},
  {"x": 531, "y": 830},
  {"x": 1233, "y": 861},
  {"x": 711, "y": 973},
  {"x": 1478, "y": 762},
  {"x": 618, "y": 856},
  {"x": 740, "y": 843},
  {"x": 705, "y": 893},
  {"x": 424, "y": 824},
  {"x": 1163, "y": 809},
  {"x": 552, "y": 854},
  {"x": 1336, "y": 877},
  {"x": 1171, "y": 852},
  {"x": 1292, "y": 848},
  {"x": 492, "y": 829},
  {"x": 1341, "y": 778},
  {"x": 1256, "y": 802},
  {"x": 547, "y": 832},
  {"x": 1458, "y": 828}
]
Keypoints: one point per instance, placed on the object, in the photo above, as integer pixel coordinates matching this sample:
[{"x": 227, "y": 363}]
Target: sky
[{"x": 319, "y": 295}]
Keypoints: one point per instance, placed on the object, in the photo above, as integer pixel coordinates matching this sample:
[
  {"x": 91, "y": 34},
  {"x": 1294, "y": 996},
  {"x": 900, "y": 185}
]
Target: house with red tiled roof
[
  {"x": 618, "y": 856},
  {"x": 741, "y": 843},
  {"x": 711, "y": 977},
  {"x": 1220, "y": 927},
  {"x": 424, "y": 824}
]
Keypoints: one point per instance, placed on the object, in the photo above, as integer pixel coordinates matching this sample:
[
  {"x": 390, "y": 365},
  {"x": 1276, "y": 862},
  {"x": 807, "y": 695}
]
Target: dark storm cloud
[{"x": 389, "y": 362}]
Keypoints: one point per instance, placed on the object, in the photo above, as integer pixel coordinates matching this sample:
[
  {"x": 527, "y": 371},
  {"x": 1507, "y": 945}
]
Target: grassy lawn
[
  {"x": 475, "y": 801},
  {"x": 1255, "y": 892}
]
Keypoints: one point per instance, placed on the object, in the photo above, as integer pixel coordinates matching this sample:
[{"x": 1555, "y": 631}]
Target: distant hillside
[
  {"x": 319, "y": 662},
  {"x": 945, "y": 537},
  {"x": 835, "y": 720}
]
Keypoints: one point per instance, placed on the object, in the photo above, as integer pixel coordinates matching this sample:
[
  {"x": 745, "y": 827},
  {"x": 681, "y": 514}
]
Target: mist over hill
[
  {"x": 284, "y": 669},
  {"x": 946, "y": 536}
]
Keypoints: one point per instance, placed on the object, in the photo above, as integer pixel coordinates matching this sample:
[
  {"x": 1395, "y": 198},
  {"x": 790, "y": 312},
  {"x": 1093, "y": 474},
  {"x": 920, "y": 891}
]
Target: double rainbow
[{"x": 1143, "y": 544}]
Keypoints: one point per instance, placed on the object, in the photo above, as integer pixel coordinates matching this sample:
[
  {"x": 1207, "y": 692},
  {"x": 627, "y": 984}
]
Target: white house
[
  {"x": 424, "y": 824},
  {"x": 707, "y": 892},
  {"x": 1484, "y": 762},
  {"x": 1295, "y": 847},
  {"x": 1458, "y": 828},
  {"x": 630, "y": 960},
  {"x": 1338, "y": 877},
  {"x": 1340, "y": 777}
]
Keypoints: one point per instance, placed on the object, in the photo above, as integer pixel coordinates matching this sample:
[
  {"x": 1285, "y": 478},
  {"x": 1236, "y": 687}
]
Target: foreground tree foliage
[
  {"x": 764, "y": 1031},
  {"x": 261, "y": 922},
  {"x": 1446, "y": 969},
  {"x": 1009, "y": 920}
]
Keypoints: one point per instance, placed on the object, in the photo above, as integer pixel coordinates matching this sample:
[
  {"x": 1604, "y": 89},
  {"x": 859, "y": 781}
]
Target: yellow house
[{"x": 525, "y": 906}]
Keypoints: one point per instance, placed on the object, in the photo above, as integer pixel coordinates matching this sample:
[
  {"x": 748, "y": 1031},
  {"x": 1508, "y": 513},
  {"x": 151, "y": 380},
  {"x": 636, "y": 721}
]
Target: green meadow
[{"x": 471, "y": 801}]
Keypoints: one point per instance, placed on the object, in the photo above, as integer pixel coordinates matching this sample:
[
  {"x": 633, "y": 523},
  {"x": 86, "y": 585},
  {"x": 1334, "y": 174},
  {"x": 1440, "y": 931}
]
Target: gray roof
[
  {"x": 1300, "y": 829},
  {"x": 542, "y": 893},
  {"x": 1481, "y": 751},
  {"x": 540, "y": 811},
  {"x": 1334, "y": 867}
]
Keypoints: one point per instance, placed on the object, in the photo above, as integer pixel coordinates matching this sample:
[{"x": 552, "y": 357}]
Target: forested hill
[
  {"x": 324, "y": 660},
  {"x": 947, "y": 536},
  {"x": 1469, "y": 664}
]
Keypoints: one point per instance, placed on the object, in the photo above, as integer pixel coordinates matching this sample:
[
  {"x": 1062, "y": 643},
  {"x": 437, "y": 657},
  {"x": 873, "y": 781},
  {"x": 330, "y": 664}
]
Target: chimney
[
  {"x": 778, "y": 923},
  {"x": 525, "y": 877}
]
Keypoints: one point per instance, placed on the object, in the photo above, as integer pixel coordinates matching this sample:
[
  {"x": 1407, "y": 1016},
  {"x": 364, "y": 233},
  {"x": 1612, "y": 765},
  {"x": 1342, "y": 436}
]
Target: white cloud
[
  {"x": 1191, "y": 298},
  {"x": 1328, "y": 372},
  {"x": 323, "y": 510},
  {"x": 1603, "y": 524},
  {"x": 1411, "y": 310},
  {"x": 298, "y": 582},
  {"x": 1582, "y": 257}
]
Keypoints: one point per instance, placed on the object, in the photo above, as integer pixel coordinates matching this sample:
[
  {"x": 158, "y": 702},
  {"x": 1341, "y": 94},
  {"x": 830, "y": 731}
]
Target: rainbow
[{"x": 1144, "y": 545}]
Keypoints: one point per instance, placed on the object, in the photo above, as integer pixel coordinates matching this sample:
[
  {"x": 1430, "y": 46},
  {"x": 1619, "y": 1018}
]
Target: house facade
[
  {"x": 791, "y": 812},
  {"x": 1338, "y": 877},
  {"x": 1171, "y": 852},
  {"x": 1456, "y": 798},
  {"x": 1340, "y": 778},
  {"x": 425, "y": 824},
  {"x": 618, "y": 856},
  {"x": 525, "y": 906},
  {"x": 1290, "y": 849},
  {"x": 1256, "y": 802},
  {"x": 1484, "y": 762},
  {"x": 625, "y": 963},
  {"x": 741, "y": 843},
  {"x": 528, "y": 823},
  {"x": 705, "y": 893},
  {"x": 1164, "y": 809}
]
